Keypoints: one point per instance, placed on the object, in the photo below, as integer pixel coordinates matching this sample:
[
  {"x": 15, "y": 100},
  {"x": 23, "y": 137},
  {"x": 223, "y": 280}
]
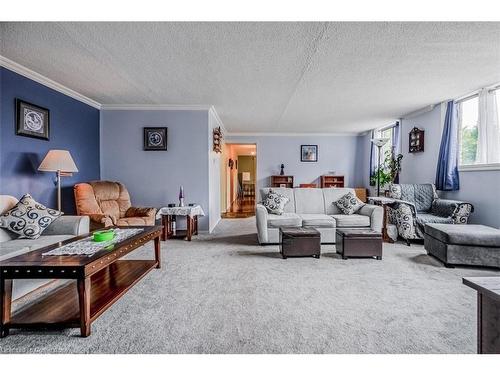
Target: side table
[
  {"x": 167, "y": 215},
  {"x": 383, "y": 201}
]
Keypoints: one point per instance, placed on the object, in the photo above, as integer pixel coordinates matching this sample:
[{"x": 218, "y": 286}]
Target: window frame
[{"x": 474, "y": 167}]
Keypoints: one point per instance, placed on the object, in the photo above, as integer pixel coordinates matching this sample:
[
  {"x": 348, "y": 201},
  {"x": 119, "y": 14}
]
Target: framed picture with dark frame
[
  {"x": 32, "y": 120},
  {"x": 155, "y": 139},
  {"x": 309, "y": 153}
]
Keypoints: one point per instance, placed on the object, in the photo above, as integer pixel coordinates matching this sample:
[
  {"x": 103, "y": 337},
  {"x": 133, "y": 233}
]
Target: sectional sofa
[
  {"x": 310, "y": 207},
  {"x": 61, "y": 229}
]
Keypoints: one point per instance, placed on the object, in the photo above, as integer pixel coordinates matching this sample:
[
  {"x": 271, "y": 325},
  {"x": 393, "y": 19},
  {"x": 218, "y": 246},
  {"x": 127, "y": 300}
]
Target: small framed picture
[
  {"x": 32, "y": 120},
  {"x": 309, "y": 153},
  {"x": 155, "y": 139}
]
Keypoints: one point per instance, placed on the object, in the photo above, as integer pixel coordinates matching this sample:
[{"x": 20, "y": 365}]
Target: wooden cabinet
[
  {"x": 332, "y": 181},
  {"x": 282, "y": 181}
]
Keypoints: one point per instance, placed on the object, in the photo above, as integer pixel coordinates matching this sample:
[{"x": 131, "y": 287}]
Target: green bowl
[{"x": 104, "y": 235}]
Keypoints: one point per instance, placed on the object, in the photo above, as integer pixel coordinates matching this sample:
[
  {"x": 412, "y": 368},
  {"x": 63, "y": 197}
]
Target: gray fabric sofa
[
  {"x": 471, "y": 245},
  {"x": 310, "y": 207},
  {"x": 416, "y": 205},
  {"x": 61, "y": 229}
]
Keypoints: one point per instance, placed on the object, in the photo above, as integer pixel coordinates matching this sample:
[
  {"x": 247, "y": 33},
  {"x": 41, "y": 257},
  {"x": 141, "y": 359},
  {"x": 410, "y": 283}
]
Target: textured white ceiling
[{"x": 266, "y": 77}]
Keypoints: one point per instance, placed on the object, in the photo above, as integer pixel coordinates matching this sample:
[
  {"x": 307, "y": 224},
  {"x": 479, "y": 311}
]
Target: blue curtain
[
  {"x": 447, "y": 168},
  {"x": 372, "y": 156}
]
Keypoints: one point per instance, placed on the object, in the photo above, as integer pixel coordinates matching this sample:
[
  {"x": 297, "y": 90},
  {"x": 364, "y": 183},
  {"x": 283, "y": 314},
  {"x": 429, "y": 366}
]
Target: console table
[
  {"x": 488, "y": 312},
  {"x": 167, "y": 215}
]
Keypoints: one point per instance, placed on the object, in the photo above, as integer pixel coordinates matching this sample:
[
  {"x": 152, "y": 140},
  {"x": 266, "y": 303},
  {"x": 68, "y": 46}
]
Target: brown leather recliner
[{"x": 107, "y": 203}]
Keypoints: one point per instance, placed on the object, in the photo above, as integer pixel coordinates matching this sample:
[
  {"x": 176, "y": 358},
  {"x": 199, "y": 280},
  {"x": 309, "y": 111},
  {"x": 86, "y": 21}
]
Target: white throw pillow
[
  {"x": 28, "y": 218},
  {"x": 275, "y": 202},
  {"x": 349, "y": 204}
]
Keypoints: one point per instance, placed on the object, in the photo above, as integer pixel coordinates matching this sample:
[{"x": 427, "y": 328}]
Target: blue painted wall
[
  {"x": 153, "y": 178},
  {"x": 74, "y": 126}
]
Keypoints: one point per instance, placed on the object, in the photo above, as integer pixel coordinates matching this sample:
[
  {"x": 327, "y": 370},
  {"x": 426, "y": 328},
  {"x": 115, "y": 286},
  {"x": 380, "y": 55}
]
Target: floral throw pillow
[
  {"x": 349, "y": 204},
  {"x": 28, "y": 218},
  {"x": 275, "y": 202}
]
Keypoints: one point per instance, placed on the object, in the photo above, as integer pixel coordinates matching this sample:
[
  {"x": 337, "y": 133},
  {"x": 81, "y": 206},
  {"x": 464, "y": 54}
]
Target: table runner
[
  {"x": 190, "y": 211},
  {"x": 87, "y": 247}
]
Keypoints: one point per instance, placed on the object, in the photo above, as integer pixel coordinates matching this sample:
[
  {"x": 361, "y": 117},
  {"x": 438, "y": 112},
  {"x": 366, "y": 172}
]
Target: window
[
  {"x": 468, "y": 111},
  {"x": 386, "y": 133},
  {"x": 479, "y": 131}
]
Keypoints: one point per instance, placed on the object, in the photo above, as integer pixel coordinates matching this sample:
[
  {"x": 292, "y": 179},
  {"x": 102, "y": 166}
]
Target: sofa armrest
[
  {"x": 141, "y": 212},
  {"x": 261, "y": 219},
  {"x": 459, "y": 211},
  {"x": 69, "y": 225},
  {"x": 376, "y": 214}
]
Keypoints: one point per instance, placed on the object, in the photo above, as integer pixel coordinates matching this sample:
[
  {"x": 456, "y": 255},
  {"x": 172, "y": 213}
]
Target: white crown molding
[
  {"x": 155, "y": 107},
  {"x": 350, "y": 134},
  {"x": 214, "y": 113},
  {"x": 28, "y": 73},
  {"x": 419, "y": 112}
]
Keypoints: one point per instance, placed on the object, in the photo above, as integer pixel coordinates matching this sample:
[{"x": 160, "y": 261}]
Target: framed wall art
[
  {"x": 309, "y": 153},
  {"x": 32, "y": 120},
  {"x": 155, "y": 139}
]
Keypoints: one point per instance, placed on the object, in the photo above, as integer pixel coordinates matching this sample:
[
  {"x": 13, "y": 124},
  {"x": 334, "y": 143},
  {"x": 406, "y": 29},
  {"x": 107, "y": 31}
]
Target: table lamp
[
  {"x": 379, "y": 142},
  {"x": 61, "y": 162}
]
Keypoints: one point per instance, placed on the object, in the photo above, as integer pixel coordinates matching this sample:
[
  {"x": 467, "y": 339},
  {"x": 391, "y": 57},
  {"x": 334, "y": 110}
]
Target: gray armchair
[{"x": 418, "y": 204}]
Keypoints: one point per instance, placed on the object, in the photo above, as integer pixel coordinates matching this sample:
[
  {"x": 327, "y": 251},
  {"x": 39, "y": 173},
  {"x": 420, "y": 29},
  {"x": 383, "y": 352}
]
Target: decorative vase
[{"x": 181, "y": 197}]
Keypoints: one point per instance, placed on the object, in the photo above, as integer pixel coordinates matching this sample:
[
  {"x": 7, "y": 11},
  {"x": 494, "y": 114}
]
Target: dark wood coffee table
[
  {"x": 100, "y": 280},
  {"x": 299, "y": 242},
  {"x": 358, "y": 243}
]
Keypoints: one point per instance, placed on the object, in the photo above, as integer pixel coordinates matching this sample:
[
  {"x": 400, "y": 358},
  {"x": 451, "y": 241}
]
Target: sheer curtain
[
  {"x": 447, "y": 177},
  {"x": 488, "y": 130}
]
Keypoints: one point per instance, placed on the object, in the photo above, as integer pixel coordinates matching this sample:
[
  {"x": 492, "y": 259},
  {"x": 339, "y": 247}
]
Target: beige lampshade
[
  {"x": 245, "y": 176},
  {"x": 58, "y": 160}
]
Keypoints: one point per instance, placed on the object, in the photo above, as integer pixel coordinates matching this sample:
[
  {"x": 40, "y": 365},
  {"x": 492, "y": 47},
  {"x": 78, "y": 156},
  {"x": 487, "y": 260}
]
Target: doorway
[{"x": 238, "y": 180}]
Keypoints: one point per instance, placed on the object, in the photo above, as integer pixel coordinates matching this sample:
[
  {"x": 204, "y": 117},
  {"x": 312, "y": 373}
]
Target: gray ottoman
[{"x": 470, "y": 244}]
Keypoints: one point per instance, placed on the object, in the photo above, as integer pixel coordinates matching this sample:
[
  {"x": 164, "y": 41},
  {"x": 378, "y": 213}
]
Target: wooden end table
[
  {"x": 168, "y": 216},
  {"x": 100, "y": 280},
  {"x": 383, "y": 201},
  {"x": 488, "y": 312}
]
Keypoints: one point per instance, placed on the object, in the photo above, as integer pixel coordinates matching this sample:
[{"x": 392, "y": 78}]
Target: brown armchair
[{"x": 107, "y": 203}]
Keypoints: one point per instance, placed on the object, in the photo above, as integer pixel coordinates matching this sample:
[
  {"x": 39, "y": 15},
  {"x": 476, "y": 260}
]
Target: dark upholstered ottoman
[
  {"x": 468, "y": 244},
  {"x": 358, "y": 243},
  {"x": 299, "y": 242}
]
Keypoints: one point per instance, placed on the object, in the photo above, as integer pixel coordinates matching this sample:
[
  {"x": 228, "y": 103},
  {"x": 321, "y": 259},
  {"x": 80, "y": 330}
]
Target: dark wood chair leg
[
  {"x": 84, "y": 302},
  {"x": 5, "y": 306},
  {"x": 157, "y": 252}
]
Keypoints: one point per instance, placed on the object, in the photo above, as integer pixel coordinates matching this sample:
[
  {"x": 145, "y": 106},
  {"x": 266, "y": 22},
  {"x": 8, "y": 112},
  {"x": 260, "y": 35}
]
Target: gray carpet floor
[{"x": 222, "y": 293}]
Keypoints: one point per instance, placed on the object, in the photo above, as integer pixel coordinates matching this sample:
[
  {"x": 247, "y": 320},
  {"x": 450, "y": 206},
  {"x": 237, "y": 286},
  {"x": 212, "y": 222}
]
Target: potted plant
[{"x": 388, "y": 170}]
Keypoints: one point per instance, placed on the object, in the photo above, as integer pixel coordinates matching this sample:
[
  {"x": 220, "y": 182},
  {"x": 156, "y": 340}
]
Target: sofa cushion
[
  {"x": 349, "y": 203},
  {"x": 286, "y": 220},
  {"x": 287, "y": 192},
  {"x": 275, "y": 202},
  {"x": 466, "y": 234},
  {"x": 309, "y": 201},
  {"x": 317, "y": 220},
  {"x": 14, "y": 248},
  {"x": 351, "y": 221},
  {"x": 332, "y": 195},
  {"x": 28, "y": 218}
]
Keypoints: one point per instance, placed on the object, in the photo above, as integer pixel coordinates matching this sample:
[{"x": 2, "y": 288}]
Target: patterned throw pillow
[
  {"x": 349, "y": 204},
  {"x": 28, "y": 218},
  {"x": 275, "y": 202}
]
